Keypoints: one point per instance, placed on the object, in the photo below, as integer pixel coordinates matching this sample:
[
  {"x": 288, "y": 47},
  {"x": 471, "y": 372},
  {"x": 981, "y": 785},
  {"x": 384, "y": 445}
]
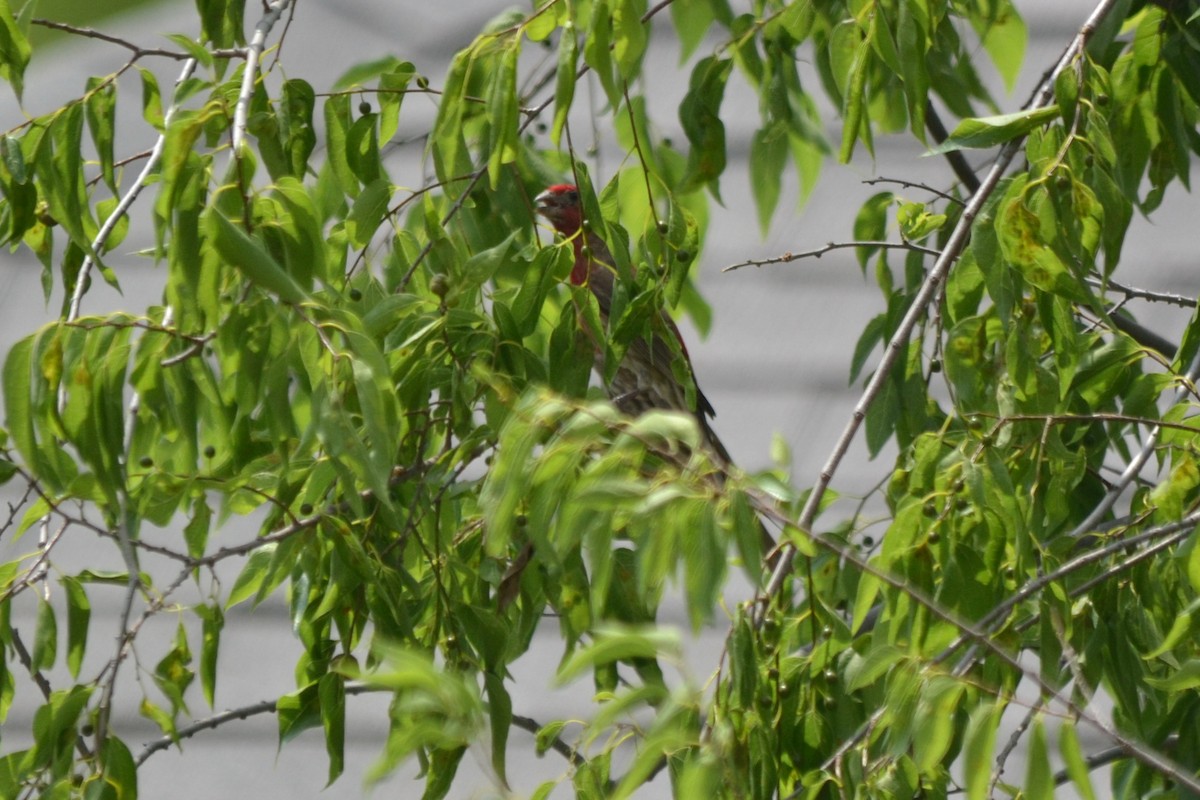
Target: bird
[{"x": 645, "y": 380}]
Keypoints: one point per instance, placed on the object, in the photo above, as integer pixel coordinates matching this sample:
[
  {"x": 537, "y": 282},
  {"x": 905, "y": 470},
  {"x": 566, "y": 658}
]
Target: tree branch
[
  {"x": 820, "y": 251},
  {"x": 273, "y": 10}
]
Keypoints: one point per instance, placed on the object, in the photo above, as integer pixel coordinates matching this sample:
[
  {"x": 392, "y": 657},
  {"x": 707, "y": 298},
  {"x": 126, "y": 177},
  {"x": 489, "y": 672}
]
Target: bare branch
[
  {"x": 820, "y": 251},
  {"x": 1145, "y": 294},
  {"x": 137, "y": 50},
  {"x": 911, "y": 185}
]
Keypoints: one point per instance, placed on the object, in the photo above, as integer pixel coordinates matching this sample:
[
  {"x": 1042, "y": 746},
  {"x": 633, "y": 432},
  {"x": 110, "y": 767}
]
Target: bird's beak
[{"x": 545, "y": 202}]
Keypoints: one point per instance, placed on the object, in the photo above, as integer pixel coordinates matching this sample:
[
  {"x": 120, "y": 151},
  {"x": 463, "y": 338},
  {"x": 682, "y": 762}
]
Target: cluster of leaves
[{"x": 395, "y": 381}]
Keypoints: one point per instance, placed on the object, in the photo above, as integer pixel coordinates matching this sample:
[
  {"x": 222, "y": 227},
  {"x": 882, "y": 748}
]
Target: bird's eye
[{"x": 573, "y": 197}]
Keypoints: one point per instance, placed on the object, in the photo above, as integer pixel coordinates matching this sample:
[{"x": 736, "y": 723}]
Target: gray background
[{"x": 774, "y": 364}]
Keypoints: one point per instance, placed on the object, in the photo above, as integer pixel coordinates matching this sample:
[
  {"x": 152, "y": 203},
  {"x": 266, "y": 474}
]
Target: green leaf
[
  {"x": 160, "y": 717},
  {"x": 101, "y": 109},
  {"x": 500, "y": 715},
  {"x": 934, "y": 726},
  {"x": 629, "y": 36},
  {"x": 446, "y": 141},
  {"x": 1066, "y": 92},
  {"x": 195, "y": 533},
  {"x": 854, "y": 98},
  {"x": 876, "y": 663},
  {"x": 597, "y": 49},
  {"x": 222, "y": 22},
  {"x": 297, "y": 712},
  {"x": 362, "y": 149},
  {"x": 14, "y": 51},
  {"x": 295, "y": 117},
  {"x": 481, "y": 266},
  {"x": 700, "y": 115},
  {"x": 1028, "y": 232},
  {"x": 1181, "y": 628},
  {"x": 251, "y": 258},
  {"x": 18, "y": 387},
  {"x": 120, "y": 771},
  {"x": 983, "y": 132},
  {"x": 1185, "y": 678},
  {"x": 193, "y": 48},
  {"x": 392, "y": 88},
  {"x": 359, "y": 74},
  {"x": 337, "y": 148},
  {"x": 768, "y": 156},
  {"x": 980, "y": 741},
  {"x": 503, "y": 114},
  {"x": 367, "y": 212},
  {"x": 152, "y": 109},
  {"x": 1004, "y": 37},
  {"x": 692, "y": 20},
  {"x": 45, "y": 638},
  {"x": 1039, "y": 780},
  {"x": 1072, "y": 753},
  {"x": 213, "y": 621},
  {"x": 173, "y": 673},
  {"x": 564, "y": 82},
  {"x": 615, "y": 643},
  {"x": 79, "y": 614},
  {"x": 251, "y": 576},
  {"x": 331, "y": 691}
]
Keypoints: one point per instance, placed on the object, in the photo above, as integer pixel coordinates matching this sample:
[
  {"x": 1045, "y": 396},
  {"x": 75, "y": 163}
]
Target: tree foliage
[{"x": 394, "y": 381}]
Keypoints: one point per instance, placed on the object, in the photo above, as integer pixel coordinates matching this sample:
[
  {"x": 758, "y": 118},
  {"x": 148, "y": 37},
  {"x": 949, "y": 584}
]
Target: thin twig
[
  {"x": 217, "y": 720},
  {"x": 1013, "y": 741},
  {"x": 137, "y": 50},
  {"x": 913, "y": 185},
  {"x": 1145, "y": 294},
  {"x": 820, "y": 251}
]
